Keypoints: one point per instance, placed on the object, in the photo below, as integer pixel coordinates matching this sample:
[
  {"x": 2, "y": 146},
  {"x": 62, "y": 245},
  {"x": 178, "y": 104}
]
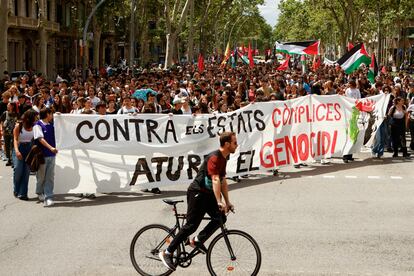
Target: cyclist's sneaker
[
  {"x": 199, "y": 245},
  {"x": 167, "y": 260}
]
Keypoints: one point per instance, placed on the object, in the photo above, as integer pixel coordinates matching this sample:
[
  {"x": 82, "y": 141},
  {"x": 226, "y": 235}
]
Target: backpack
[{"x": 35, "y": 158}]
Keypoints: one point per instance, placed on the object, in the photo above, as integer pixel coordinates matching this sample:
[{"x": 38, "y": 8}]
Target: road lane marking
[
  {"x": 395, "y": 177},
  {"x": 350, "y": 176},
  {"x": 329, "y": 176},
  {"x": 373, "y": 177}
]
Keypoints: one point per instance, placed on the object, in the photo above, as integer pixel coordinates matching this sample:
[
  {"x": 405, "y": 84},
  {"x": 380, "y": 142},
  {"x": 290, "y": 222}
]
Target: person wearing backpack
[
  {"x": 22, "y": 141},
  {"x": 8, "y": 121}
]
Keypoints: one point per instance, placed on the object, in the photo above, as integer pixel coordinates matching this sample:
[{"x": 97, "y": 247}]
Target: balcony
[{"x": 31, "y": 23}]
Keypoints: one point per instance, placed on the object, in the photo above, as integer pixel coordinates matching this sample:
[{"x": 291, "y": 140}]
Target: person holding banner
[
  {"x": 205, "y": 195},
  {"x": 44, "y": 135},
  {"x": 352, "y": 92}
]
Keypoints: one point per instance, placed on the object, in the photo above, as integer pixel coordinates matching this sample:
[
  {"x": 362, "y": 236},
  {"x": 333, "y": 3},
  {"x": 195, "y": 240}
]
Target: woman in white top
[
  {"x": 352, "y": 91},
  {"x": 398, "y": 117},
  {"x": 127, "y": 107},
  {"x": 38, "y": 104},
  {"x": 23, "y": 136}
]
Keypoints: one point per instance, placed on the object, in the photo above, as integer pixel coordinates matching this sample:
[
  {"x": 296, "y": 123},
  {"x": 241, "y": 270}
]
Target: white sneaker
[
  {"x": 49, "y": 202},
  {"x": 41, "y": 198}
]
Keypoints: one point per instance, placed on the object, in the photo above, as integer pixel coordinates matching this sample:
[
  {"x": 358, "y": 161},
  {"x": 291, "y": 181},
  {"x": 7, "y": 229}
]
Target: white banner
[{"x": 117, "y": 153}]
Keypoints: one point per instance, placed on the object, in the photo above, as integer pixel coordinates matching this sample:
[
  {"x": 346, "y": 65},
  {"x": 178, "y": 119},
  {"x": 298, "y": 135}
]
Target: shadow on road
[
  {"x": 72, "y": 200},
  {"x": 315, "y": 170}
]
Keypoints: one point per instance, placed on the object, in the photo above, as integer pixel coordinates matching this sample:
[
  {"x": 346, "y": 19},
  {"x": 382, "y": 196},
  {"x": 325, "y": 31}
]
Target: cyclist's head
[{"x": 226, "y": 137}]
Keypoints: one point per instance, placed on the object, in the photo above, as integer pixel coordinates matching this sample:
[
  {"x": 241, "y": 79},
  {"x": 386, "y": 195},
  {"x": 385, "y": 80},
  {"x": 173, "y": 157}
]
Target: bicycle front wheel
[
  {"x": 147, "y": 243},
  {"x": 247, "y": 257}
]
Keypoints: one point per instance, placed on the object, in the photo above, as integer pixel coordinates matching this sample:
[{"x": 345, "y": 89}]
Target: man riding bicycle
[{"x": 204, "y": 195}]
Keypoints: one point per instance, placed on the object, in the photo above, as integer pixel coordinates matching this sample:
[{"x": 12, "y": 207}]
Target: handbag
[{"x": 35, "y": 158}]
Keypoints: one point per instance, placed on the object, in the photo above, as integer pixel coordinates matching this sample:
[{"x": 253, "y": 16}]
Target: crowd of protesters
[{"x": 183, "y": 89}]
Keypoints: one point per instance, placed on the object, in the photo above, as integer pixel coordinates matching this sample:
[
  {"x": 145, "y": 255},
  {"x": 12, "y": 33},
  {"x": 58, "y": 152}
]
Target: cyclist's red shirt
[{"x": 213, "y": 164}]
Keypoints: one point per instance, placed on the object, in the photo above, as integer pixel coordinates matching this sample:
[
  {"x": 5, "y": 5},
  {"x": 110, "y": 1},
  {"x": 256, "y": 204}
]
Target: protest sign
[{"x": 118, "y": 152}]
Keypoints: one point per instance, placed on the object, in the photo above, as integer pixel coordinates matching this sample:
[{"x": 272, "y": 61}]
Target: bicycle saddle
[{"x": 172, "y": 201}]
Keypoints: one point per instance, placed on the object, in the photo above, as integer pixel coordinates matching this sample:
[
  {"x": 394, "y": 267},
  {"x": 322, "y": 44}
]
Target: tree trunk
[
  {"x": 145, "y": 54},
  {"x": 96, "y": 48},
  {"x": 343, "y": 44},
  {"x": 190, "y": 48},
  {"x": 3, "y": 34},
  {"x": 379, "y": 53},
  {"x": 169, "y": 51},
  {"x": 171, "y": 36},
  {"x": 132, "y": 33}
]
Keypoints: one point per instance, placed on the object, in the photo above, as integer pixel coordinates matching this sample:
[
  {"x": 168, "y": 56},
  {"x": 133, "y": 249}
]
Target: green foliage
[{"x": 336, "y": 22}]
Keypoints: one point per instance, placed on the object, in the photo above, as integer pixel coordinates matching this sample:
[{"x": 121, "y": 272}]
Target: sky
[{"x": 270, "y": 11}]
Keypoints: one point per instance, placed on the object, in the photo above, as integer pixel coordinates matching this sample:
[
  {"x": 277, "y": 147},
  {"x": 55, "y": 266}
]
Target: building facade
[{"x": 44, "y": 36}]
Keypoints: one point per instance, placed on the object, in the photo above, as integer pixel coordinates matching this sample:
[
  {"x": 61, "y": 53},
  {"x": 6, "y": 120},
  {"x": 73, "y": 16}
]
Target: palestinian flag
[
  {"x": 243, "y": 58},
  {"x": 354, "y": 58},
  {"x": 373, "y": 69},
  {"x": 299, "y": 48}
]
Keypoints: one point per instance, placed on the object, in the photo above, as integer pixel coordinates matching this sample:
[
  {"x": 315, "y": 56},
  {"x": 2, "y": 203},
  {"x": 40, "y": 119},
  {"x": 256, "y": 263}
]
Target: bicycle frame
[{"x": 188, "y": 256}]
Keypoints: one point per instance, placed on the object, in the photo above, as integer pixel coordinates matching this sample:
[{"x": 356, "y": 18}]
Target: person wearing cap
[
  {"x": 178, "y": 103},
  {"x": 23, "y": 105},
  {"x": 186, "y": 108}
]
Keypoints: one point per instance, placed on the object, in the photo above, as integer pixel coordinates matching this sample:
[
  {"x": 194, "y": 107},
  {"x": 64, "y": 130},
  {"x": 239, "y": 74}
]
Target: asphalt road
[{"x": 337, "y": 219}]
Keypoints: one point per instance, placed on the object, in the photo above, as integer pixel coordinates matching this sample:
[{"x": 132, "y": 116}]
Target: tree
[{"x": 174, "y": 21}]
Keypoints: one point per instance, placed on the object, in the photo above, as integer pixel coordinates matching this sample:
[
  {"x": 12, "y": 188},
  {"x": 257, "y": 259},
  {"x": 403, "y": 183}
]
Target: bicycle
[{"x": 230, "y": 252}]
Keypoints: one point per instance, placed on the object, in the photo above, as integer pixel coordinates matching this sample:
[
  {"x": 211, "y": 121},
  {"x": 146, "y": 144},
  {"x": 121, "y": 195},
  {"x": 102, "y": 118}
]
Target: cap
[{"x": 178, "y": 100}]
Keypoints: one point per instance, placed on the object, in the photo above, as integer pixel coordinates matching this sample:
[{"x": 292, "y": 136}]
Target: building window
[
  {"x": 16, "y": 7},
  {"x": 59, "y": 13},
  {"x": 48, "y": 10},
  {"x": 27, "y": 6},
  {"x": 67, "y": 15},
  {"x": 37, "y": 10}
]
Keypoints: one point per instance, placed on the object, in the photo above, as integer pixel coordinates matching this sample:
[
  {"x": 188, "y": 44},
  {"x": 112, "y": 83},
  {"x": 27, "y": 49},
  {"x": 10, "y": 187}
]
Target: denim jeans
[
  {"x": 8, "y": 146},
  {"x": 21, "y": 171},
  {"x": 45, "y": 177},
  {"x": 380, "y": 140}
]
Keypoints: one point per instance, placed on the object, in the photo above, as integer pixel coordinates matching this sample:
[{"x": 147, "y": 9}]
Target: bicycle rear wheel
[
  {"x": 145, "y": 246},
  {"x": 246, "y": 251}
]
